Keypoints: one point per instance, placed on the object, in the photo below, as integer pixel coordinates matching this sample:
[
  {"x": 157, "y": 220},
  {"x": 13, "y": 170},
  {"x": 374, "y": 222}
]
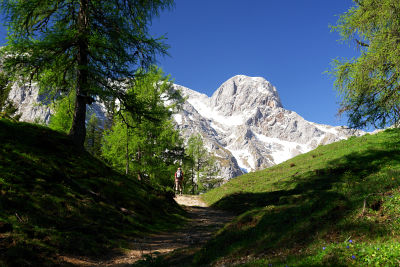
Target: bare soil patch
[{"x": 204, "y": 222}]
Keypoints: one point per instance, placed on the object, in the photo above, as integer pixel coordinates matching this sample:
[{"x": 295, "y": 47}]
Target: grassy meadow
[
  {"x": 55, "y": 200},
  {"x": 338, "y": 205}
]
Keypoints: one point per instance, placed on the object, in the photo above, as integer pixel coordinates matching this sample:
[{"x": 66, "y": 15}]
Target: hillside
[
  {"x": 57, "y": 201},
  {"x": 337, "y": 205},
  {"x": 243, "y": 123}
]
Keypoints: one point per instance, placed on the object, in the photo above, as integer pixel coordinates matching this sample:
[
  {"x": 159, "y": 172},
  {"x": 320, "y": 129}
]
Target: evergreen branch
[{"x": 360, "y": 43}]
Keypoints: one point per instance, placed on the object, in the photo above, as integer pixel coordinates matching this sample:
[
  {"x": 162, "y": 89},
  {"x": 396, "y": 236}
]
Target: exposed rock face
[
  {"x": 34, "y": 107},
  {"x": 29, "y": 103},
  {"x": 243, "y": 123},
  {"x": 246, "y": 126},
  {"x": 241, "y": 94}
]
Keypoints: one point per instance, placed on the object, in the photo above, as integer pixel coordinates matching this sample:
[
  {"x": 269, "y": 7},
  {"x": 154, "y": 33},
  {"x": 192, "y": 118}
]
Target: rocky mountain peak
[
  {"x": 243, "y": 123},
  {"x": 246, "y": 126},
  {"x": 242, "y": 93}
]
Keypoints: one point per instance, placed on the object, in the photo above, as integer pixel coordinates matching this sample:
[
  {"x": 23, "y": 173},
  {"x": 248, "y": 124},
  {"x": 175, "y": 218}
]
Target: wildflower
[
  {"x": 353, "y": 257},
  {"x": 377, "y": 248},
  {"x": 347, "y": 246},
  {"x": 350, "y": 241},
  {"x": 323, "y": 248}
]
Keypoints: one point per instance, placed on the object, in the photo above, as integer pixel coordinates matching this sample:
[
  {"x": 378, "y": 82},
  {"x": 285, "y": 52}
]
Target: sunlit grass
[{"x": 303, "y": 211}]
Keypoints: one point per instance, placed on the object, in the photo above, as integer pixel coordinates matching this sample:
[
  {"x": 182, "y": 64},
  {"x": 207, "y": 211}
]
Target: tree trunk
[
  {"x": 193, "y": 179},
  {"x": 127, "y": 151},
  {"x": 78, "y": 129},
  {"x": 198, "y": 174},
  {"x": 93, "y": 138},
  {"x": 139, "y": 159}
]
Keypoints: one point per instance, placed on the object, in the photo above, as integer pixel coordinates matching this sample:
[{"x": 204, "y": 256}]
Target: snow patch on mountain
[
  {"x": 282, "y": 150},
  {"x": 178, "y": 118},
  {"x": 244, "y": 159},
  {"x": 326, "y": 128},
  {"x": 243, "y": 123},
  {"x": 204, "y": 109},
  {"x": 244, "y": 120}
]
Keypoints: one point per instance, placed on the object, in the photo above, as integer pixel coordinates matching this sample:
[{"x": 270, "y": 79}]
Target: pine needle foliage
[
  {"x": 89, "y": 47},
  {"x": 369, "y": 85},
  {"x": 148, "y": 148}
]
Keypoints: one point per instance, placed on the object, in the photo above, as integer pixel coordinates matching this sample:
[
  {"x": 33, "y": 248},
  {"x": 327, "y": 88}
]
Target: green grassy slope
[
  {"x": 338, "y": 205},
  {"x": 56, "y": 200}
]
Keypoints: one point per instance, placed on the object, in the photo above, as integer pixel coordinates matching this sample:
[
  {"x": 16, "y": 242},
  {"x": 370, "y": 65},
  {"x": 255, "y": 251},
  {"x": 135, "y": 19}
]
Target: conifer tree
[
  {"x": 149, "y": 148},
  {"x": 5, "y": 88},
  {"x": 369, "y": 85},
  {"x": 200, "y": 166},
  {"x": 94, "y": 135},
  {"x": 90, "y": 47},
  {"x": 61, "y": 120},
  {"x": 7, "y": 108},
  {"x": 211, "y": 178}
]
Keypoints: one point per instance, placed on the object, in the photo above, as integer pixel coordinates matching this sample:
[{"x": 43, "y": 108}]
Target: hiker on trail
[{"x": 178, "y": 180}]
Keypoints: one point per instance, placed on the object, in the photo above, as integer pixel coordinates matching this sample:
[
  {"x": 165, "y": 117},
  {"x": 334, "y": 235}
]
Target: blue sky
[{"x": 287, "y": 42}]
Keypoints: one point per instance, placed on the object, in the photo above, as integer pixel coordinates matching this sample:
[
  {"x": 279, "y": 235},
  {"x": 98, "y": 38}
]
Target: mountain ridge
[
  {"x": 246, "y": 118},
  {"x": 244, "y": 123}
]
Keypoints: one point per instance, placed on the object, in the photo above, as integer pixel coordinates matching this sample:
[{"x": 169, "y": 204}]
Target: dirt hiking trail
[{"x": 204, "y": 221}]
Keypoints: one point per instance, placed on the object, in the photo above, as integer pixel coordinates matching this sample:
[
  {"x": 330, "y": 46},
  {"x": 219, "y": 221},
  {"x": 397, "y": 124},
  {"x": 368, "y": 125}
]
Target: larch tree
[
  {"x": 7, "y": 107},
  {"x": 148, "y": 147},
  {"x": 211, "y": 178},
  {"x": 199, "y": 163},
  {"x": 63, "y": 113},
  {"x": 94, "y": 135},
  {"x": 89, "y": 46},
  {"x": 369, "y": 85}
]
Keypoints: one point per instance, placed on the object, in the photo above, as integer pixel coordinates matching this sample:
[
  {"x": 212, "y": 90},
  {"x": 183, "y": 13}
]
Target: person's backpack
[{"x": 179, "y": 174}]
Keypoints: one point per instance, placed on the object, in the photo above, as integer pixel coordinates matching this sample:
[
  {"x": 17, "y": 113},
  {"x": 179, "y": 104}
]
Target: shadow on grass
[
  {"x": 313, "y": 205},
  {"x": 55, "y": 199}
]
